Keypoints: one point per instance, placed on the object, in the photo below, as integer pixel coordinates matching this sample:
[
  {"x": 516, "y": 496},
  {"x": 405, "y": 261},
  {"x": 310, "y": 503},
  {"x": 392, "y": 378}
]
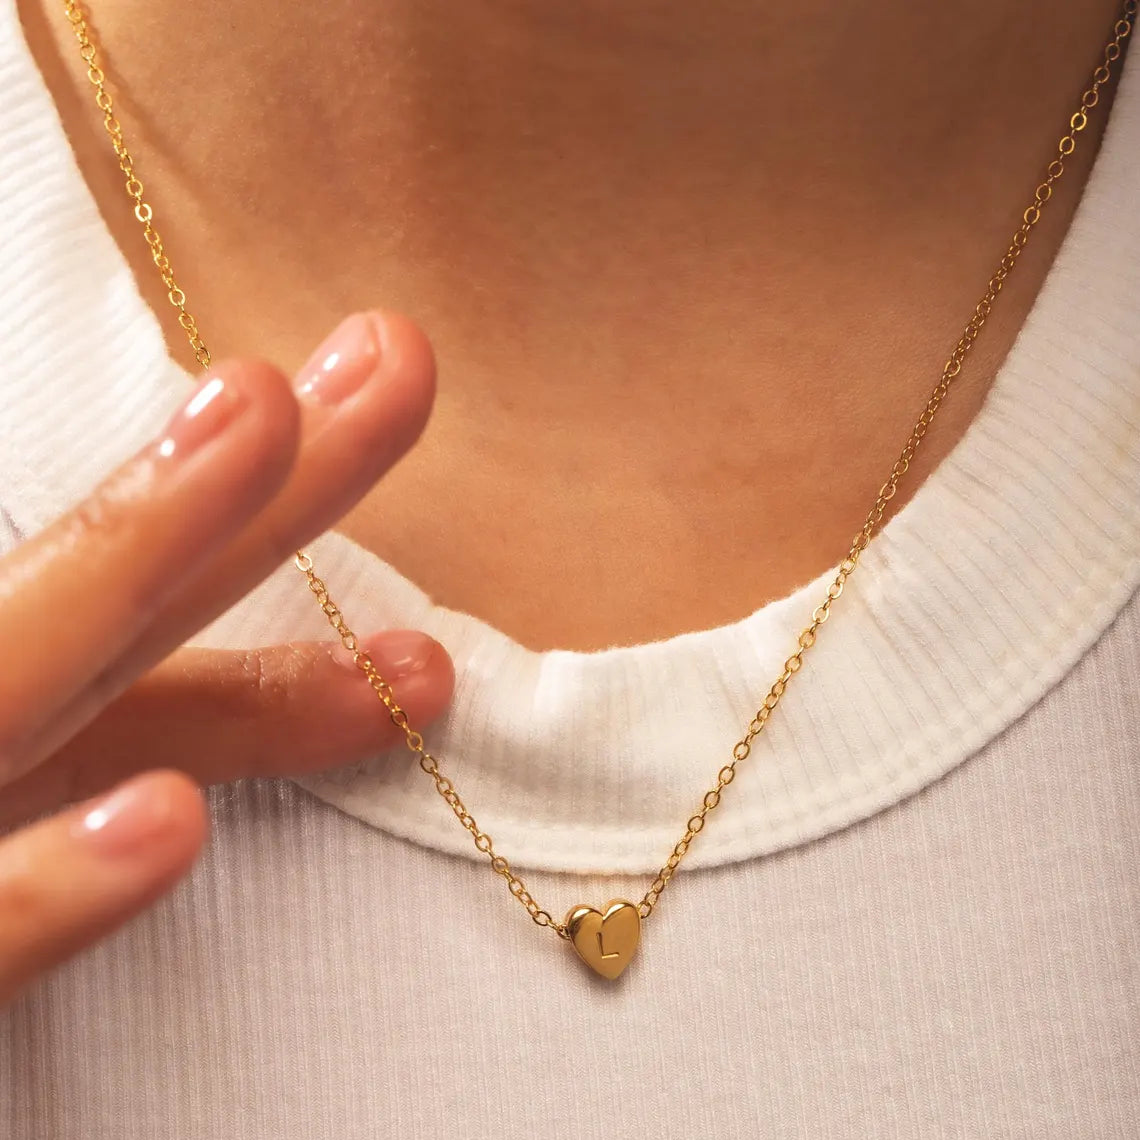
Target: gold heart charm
[{"x": 605, "y": 942}]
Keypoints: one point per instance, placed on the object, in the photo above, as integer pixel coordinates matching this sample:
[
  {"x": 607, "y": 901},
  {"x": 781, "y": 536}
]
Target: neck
[
  {"x": 711, "y": 255},
  {"x": 587, "y": 163}
]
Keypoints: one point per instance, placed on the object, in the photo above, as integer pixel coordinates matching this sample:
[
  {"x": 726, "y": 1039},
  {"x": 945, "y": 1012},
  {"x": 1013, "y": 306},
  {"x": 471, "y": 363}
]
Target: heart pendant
[{"x": 605, "y": 942}]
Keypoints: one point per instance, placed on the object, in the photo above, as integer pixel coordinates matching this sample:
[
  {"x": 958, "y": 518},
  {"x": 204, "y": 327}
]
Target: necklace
[{"x": 606, "y": 939}]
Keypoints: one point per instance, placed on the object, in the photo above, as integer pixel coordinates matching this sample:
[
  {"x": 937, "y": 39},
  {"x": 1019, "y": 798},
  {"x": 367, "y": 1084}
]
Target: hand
[{"x": 92, "y": 611}]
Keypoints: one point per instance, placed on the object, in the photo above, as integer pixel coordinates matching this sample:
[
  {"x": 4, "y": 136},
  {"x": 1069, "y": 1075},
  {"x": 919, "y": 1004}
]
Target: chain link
[
  {"x": 415, "y": 743},
  {"x": 1029, "y": 218},
  {"x": 792, "y": 665},
  {"x": 132, "y": 183}
]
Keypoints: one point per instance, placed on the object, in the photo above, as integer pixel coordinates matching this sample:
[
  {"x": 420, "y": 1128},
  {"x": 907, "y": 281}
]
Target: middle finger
[{"x": 365, "y": 396}]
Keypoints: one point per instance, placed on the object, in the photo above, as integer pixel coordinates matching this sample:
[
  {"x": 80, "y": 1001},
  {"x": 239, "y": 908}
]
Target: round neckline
[{"x": 976, "y": 597}]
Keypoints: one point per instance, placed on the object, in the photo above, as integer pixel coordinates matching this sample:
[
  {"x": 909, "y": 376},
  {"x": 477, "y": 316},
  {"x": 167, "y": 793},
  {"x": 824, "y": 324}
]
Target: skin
[
  {"x": 734, "y": 241},
  {"x": 689, "y": 270},
  {"x": 139, "y": 566}
]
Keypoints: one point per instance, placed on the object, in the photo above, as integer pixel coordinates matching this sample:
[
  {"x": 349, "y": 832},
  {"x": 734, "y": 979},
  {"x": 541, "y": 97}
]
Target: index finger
[{"x": 76, "y": 596}]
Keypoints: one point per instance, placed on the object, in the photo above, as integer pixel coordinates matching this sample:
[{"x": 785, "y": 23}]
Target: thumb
[{"x": 69, "y": 880}]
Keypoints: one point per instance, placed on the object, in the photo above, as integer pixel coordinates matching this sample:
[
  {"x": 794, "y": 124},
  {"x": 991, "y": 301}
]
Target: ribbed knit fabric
[
  {"x": 976, "y": 598},
  {"x": 965, "y": 964}
]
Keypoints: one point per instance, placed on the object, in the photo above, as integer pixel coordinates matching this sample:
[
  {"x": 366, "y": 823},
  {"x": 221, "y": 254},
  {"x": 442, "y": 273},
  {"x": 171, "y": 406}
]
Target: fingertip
[
  {"x": 424, "y": 693},
  {"x": 272, "y": 425},
  {"x": 69, "y": 880},
  {"x": 349, "y": 721},
  {"x": 185, "y": 806},
  {"x": 155, "y": 823},
  {"x": 418, "y": 668},
  {"x": 442, "y": 668},
  {"x": 408, "y": 361}
]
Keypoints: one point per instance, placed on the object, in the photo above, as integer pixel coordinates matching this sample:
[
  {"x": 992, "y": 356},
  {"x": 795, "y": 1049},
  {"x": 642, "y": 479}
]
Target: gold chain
[{"x": 415, "y": 742}]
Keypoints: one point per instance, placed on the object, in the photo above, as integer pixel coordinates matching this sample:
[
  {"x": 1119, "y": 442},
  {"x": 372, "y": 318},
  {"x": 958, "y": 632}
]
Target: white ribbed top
[{"x": 978, "y": 597}]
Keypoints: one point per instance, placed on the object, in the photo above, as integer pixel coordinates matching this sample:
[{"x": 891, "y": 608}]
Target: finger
[
  {"x": 74, "y": 597},
  {"x": 220, "y": 715},
  {"x": 72, "y": 879},
  {"x": 365, "y": 397}
]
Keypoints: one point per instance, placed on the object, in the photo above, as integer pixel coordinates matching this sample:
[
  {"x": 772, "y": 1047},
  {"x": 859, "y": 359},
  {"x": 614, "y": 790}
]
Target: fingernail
[
  {"x": 213, "y": 405},
  {"x": 126, "y": 820},
  {"x": 398, "y": 652},
  {"x": 344, "y": 361}
]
